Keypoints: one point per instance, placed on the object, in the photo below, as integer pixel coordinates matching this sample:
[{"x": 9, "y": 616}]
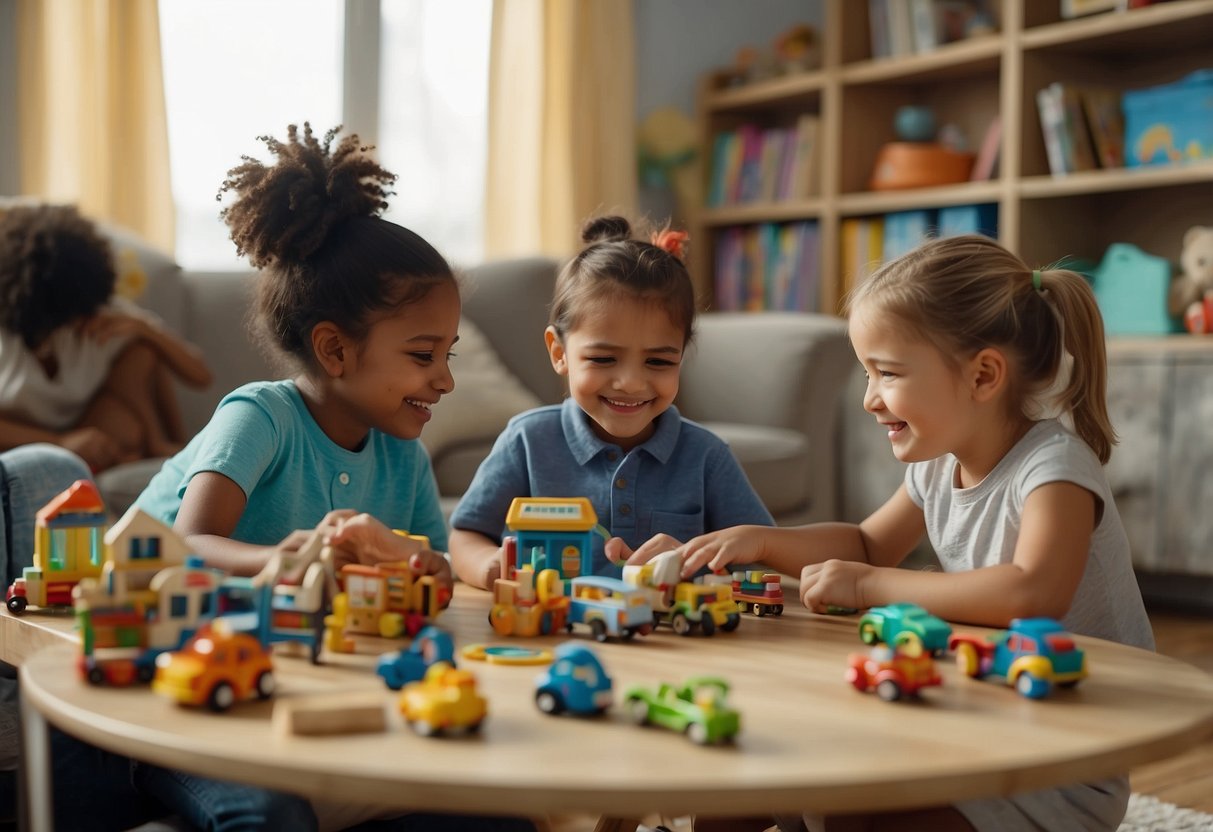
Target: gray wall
[{"x": 677, "y": 41}]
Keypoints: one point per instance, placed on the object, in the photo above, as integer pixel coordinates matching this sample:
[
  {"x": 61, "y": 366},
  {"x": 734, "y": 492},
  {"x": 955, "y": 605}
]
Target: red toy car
[{"x": 902, "y": 670}]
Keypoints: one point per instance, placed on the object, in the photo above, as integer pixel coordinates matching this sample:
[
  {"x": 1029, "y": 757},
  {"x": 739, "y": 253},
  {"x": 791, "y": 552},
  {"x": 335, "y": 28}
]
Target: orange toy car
[{"x": 217, "y": 668}]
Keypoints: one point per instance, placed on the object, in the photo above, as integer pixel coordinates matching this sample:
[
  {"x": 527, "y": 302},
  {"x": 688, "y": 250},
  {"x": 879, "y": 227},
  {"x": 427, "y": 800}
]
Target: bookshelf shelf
[
  {"x": 969, "y": 83},
  {"x": 873, "y": 202},
  {"x": 1105, "y": 181}
]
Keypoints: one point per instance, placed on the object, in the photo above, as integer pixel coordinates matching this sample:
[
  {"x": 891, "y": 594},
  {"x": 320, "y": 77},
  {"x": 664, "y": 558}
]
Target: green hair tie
[{"x": 1036, "y": 279}]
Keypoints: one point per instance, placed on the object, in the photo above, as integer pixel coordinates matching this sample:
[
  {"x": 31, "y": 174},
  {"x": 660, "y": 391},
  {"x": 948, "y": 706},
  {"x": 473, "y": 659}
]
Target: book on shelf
[
  {"x": 924, "y": 16},
  {"x": 986, "y": 162},
  {"x": 768, "y": 266},
  {"x": 982, "y": 218},
  {"x": 1063, "y": 123},
  {"x": 804, "y": 172},
  {"x": 1106, "y": 121},
  {"x": 1077, "y": 135},
  {"x": 1052, "y": 123},
  {"x": 752, "y": 164}
]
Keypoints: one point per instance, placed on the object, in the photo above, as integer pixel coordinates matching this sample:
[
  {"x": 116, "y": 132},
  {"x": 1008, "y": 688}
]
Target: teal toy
[{"x": 1131, "y": 288}]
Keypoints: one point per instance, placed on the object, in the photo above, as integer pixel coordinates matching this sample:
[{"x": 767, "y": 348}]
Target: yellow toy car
[
  {"x": 445, "y": 701},
  {"x": 217, "y": 668}
]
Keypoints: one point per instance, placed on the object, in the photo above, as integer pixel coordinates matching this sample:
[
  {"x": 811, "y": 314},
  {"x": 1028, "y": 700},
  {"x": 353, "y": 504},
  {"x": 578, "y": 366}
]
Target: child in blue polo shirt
[{"x": 622, "y": 317}]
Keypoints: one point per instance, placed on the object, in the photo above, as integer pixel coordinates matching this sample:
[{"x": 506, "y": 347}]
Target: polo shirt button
[
  {"x": 621, "y": 483},
  {"x": 343, "y": 478},
  {"x": 625, "y": 510}
]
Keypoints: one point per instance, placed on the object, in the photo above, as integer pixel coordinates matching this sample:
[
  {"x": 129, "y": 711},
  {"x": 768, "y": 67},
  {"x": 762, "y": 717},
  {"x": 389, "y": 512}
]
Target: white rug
[{"x": 1149, "y": 814}]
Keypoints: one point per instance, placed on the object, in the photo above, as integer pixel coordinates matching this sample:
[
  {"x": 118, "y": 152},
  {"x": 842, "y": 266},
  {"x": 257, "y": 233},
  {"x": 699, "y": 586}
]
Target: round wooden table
[{"x": 809, "y": 741}]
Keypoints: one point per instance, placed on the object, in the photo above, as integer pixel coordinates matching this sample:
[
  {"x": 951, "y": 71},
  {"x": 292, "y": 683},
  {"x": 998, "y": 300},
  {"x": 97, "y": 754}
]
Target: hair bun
[
  {"x": 283, "y": 212},
  {"x": 608, "y": 229}
]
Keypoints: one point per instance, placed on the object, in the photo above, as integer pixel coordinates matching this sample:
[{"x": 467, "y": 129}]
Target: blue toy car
[
  {"x": 1032, "y": 655},
  {"x": 430, "y": 645},
  {"x": 576, "y": 681},
  {"x": 889, "y": 622}
]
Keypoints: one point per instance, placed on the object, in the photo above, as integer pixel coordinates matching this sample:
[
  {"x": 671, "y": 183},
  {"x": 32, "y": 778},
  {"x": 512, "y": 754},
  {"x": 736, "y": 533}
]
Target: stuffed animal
[{"x": 1192, "y": 289}]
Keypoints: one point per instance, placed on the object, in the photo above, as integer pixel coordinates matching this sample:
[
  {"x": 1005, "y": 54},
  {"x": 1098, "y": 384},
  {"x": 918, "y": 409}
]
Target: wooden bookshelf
[{"x": 1042, "y": 217}]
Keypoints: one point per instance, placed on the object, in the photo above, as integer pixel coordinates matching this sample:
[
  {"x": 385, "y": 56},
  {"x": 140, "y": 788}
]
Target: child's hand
[
  {"x": 644, "y": 553},
  {"x": 835, "y": 583},
  {"x": 717, "y": 550},
  {"x": 360, "y": 538},
  {"x": 491, "y": 572}
]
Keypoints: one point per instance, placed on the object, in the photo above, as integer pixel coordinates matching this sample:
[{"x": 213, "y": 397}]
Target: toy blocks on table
[{"x": 334, "y": 713}]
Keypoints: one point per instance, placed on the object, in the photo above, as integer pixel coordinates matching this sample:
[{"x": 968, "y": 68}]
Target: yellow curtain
[
  {"x": 561, "y": 122},
  {"x": 92, "y": 126}
]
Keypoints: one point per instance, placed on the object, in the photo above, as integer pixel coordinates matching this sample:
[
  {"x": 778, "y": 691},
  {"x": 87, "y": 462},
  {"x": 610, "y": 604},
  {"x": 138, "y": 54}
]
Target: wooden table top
[{"x": 809, "y": 741}]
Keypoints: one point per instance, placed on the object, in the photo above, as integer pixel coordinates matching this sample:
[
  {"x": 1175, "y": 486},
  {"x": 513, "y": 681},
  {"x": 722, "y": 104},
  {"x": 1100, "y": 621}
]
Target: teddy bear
[{"x": 1191, "y": 296}]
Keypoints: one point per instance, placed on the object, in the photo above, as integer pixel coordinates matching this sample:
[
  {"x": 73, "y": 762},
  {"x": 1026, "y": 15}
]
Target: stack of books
[
  {"x": 768, "y": 267},
  {"x": 1083, "y": 127},
  {"x": 753, "y": 164}
]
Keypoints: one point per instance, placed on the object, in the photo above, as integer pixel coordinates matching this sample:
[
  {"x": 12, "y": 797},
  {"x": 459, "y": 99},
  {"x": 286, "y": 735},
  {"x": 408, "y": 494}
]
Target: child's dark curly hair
[
  {"x": 311, "y": 223},
  {"x": 614, "y": 263},
  {"x": 55, "y": 268}
]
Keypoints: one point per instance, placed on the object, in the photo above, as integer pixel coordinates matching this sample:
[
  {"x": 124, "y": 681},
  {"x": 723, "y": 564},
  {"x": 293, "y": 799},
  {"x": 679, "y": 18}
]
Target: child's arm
[
  {"x": 1050, "y": 556},
  {"x": 476, "y": 558},
  {"x": 883, "y": 539},
  {"x": 210, "y": 509},
  {"x": 98, "y": 450},
  {"x": 183, "y": 358}
]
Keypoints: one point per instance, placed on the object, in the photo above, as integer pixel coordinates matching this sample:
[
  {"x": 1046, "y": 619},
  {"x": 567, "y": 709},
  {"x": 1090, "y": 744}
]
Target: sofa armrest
[{"x": 776, "y": 370}]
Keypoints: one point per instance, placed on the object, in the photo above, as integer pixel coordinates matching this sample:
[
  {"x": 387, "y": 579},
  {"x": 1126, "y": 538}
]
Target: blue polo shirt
[{"x": 684, "y": 481}]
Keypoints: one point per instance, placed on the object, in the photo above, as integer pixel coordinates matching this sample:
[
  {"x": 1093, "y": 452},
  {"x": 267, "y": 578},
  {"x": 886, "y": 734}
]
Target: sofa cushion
[
  {"x": 486, "y": 395},
  {"x": 454, "y": 471},
  {"x": 776, "y": 461}
]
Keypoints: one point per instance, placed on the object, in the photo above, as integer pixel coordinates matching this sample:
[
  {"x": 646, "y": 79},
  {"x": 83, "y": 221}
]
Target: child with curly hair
[
  {"x": 365, "y": 312},
  {"x": 79, "y": 367}
]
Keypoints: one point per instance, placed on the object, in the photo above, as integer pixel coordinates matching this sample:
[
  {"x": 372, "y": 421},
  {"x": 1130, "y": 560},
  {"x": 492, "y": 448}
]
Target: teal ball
[{"x": 914, "y": 124}]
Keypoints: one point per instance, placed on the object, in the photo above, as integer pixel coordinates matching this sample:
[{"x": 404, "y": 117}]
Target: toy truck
[{"x": 683, "y": 605}]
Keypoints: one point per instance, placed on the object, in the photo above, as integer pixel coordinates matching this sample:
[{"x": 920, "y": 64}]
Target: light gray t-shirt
[{"x": 975, "y": 527}]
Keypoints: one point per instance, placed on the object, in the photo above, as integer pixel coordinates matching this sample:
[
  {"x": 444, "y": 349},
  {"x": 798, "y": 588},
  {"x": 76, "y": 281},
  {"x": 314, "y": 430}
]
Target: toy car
[
  {"x": 445, "y": 700},
  {"x": 399, "y": 667},
  {"x": 889, "y": 622},
  {"x": 609, "y": 607},
  {"x": 894, "y": 671},
  {"x": 684, "y": 605},
  {"x": 1032, "y": 655},
  {"x": 217, "y": 668},
  {"x": 697, "y": 708},
  {"x": 575, "y": 682}
]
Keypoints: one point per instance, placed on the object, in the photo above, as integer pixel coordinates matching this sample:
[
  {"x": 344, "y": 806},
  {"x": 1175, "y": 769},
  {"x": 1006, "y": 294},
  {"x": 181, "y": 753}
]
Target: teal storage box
[
  {"x": 1171, "y": 123},
  {"x": 1131, "y": 288}
]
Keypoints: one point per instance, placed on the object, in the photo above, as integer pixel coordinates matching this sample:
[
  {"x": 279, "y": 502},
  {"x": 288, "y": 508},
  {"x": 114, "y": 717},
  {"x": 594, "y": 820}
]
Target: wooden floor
[{"x": 1186, "y": 780}]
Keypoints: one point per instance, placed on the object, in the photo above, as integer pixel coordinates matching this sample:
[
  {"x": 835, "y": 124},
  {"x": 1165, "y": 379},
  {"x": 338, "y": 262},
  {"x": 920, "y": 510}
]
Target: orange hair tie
[{"x": 672, "y": 241}]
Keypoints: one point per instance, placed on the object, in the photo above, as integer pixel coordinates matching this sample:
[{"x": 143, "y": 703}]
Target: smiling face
[
  {"x": 390, "y": 380},
  {"x": 913, "y": 392},
  {"x": 622, "y": 362}
]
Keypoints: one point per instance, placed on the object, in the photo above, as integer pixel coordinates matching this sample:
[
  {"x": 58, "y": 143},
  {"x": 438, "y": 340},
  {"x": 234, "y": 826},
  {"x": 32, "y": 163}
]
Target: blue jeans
[
  {"x": 30, "y": 477},
  {"x": 221, "y": 806}
]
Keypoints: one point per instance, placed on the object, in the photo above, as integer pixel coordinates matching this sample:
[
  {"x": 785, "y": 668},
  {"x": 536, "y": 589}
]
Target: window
[
  {"x": 234, "y": 70},
  {"x": 144, "y": 548}
]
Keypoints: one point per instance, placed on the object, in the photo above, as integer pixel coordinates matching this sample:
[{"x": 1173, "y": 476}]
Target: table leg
[{"x": 34, "y": 775}]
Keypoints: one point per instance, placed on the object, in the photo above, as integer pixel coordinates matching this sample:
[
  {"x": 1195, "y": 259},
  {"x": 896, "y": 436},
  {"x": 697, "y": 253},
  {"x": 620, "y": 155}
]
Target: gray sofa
[{"x": 768, "y": 384}]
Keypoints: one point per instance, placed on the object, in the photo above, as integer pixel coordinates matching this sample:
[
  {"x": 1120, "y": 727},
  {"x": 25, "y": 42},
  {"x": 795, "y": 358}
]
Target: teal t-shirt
[{"x": 263, "y": 438}]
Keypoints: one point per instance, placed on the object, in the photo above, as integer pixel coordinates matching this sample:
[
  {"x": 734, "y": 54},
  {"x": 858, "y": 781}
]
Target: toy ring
[{"x": 502, "y": 654}]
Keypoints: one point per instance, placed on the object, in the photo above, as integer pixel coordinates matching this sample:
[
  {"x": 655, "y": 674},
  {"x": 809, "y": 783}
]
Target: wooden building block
[{"x": 335, "y": 713}]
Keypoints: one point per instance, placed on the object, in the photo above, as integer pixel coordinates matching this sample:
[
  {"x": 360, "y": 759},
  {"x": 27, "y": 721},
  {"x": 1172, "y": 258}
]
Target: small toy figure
[
  {"x": 1191, "y": 295},
  {"x": 1032, "y": 655},
  {"x": 216, "y": 668},
  {"x": 577, "y": 682},
  {"x": 902, "y": 669},
  {"x": 887, "y": 623},
  {"x": 797, "y": 49},
  {"x": 697, "y": 708},
  {"x": 445, "y": 701},
  {"x": 756, "y": 591},
  {"x": 400, "y": 667}
]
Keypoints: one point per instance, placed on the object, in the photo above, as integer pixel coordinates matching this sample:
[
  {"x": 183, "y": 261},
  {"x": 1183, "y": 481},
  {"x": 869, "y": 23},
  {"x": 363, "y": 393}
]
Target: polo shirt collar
[{"x": 585, "y": 445}]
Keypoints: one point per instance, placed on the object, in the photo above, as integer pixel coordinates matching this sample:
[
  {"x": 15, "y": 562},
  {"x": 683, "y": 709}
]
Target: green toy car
[
  {"x": 698, "y": 708},
  {"x": 888, "y": 622}
]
